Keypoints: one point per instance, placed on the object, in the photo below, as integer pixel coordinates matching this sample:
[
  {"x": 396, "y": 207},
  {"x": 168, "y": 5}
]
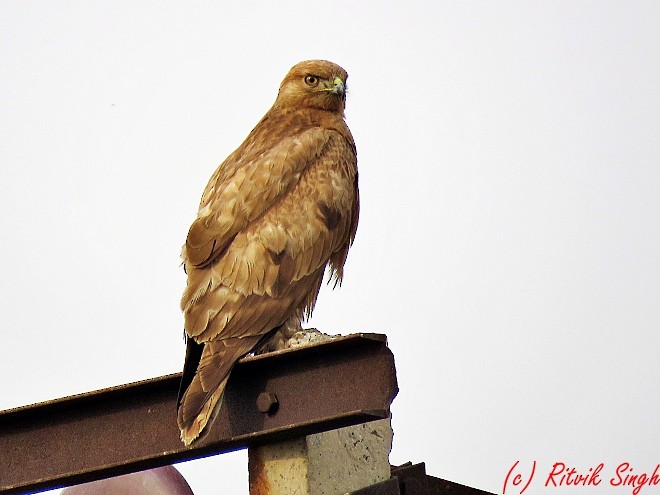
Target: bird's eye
[{"x": 311, "y": 81}]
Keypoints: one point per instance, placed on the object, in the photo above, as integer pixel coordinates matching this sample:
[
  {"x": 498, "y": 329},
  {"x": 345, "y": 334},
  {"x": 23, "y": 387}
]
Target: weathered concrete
[{"x": 330, "y": 463}]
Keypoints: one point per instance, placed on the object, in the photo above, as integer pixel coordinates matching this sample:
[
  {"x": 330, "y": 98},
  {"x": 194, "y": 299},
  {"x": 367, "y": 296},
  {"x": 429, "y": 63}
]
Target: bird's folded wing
[
  {"x": 275, "y": 264},
  {"x": 238, "y": 193}
]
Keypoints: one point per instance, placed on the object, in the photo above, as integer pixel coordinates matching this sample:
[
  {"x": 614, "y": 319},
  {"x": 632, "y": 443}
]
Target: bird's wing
[
  {"x": 273, "y": 265},
  {"x": 270, "y": 270},
  {"x": 242, "y": 189}
]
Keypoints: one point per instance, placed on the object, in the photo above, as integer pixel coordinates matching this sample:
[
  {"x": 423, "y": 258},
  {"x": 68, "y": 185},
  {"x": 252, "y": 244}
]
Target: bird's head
[{"x": 315, "y": 84}]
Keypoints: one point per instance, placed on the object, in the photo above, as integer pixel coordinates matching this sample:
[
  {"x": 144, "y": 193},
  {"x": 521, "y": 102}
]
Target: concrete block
[{"x": 330, "y": 463}]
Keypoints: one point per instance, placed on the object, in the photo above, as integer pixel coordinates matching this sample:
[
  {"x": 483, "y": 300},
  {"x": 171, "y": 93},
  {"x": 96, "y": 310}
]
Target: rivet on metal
[{"x": 267, "y": 402}]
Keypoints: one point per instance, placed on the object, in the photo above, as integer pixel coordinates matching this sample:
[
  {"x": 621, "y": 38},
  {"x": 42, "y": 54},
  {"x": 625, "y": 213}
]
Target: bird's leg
[{"x": 292, "y": 334}]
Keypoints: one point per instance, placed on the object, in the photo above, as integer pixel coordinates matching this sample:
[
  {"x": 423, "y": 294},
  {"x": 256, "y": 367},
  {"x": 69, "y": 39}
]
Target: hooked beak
[{"x": 337, "y": 87}]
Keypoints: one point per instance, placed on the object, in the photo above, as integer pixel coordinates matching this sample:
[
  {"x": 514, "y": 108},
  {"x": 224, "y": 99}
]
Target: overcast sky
[{"x": 509, "y": 240}]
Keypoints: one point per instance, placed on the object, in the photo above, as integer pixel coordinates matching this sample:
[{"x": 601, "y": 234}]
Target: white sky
[{"x": 509, "y": 240}]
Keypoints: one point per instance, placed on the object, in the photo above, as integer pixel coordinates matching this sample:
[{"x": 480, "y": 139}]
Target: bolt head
[{"x": 267, "y": 402}]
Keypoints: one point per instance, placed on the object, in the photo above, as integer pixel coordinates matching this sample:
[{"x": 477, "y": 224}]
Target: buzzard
[{"x": 279, "y": 210}]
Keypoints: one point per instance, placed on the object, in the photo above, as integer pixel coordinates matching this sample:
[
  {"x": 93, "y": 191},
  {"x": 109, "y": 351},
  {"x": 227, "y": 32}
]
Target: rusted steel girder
[
  {"x": 411, "y": 479},
  {"x": 271, "y": 397}
]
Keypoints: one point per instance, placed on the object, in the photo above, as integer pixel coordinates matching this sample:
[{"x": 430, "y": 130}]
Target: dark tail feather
[{"x": 193, "y": 355}]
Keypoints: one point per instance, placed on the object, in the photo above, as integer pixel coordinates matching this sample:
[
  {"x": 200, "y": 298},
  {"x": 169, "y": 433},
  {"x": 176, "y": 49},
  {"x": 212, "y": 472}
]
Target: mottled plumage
[{"x": 275, "y": 213}]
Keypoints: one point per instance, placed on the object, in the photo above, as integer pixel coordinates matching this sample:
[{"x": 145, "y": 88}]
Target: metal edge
[
  {"x": 68, "y": 400},
  {"x": 149, "y": 382},
  {"x": 195, "y": 452},
  {"x": 337, "y": 341}
]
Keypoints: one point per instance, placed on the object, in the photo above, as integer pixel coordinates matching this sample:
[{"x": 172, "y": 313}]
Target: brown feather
[
  {"x": 203, "y": 395},
  {"x": 274, "y": 214}
]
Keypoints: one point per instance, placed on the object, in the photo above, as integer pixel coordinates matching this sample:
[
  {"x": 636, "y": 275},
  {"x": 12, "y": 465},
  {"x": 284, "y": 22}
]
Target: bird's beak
[{"x": 338, "y": 87}]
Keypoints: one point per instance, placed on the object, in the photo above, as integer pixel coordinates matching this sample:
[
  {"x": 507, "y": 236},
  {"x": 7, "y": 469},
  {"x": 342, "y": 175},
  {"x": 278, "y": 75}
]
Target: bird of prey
[{"x": 280, "y": 208}]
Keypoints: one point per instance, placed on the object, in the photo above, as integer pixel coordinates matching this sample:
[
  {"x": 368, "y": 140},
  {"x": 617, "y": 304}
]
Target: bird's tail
[{"x": 201, "y": 399}]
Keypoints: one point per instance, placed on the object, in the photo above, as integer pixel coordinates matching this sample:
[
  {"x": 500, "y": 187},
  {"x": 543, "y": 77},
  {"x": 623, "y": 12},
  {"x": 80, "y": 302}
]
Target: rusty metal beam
[
  {"x": 271, "y": 397},
  {"x": 411, "y": 479}
]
